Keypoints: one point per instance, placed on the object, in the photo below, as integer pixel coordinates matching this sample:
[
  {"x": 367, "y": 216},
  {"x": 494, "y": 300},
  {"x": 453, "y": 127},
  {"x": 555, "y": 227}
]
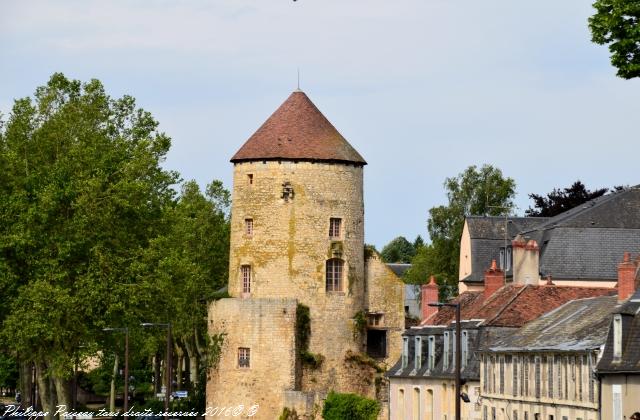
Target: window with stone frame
[
  {"x": 526, "y": 376},
  {"x": 334, "y": 274},
  {"x": 245, "y": 273},
  {"x": 335, "y": 228},
  {"x": 592, "y": 382},
  {"x": 248, "y": 226},
  {"x": 244, "y": 357},
  {"x": 580, "y": 367}
]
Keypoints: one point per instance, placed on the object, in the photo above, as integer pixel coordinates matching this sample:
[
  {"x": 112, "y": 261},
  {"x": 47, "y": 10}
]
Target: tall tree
[
  {"x": 476, "y": 191},
  {"x": 617, "y": 23},
  {"x": 399, "y": 250},
  {"x": 562, "y": 199},
  {"x": 83, "y": 194}
]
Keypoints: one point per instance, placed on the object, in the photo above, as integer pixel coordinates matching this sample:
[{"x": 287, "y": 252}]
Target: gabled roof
[
  {"x": 583, "y": 243},
  {"x": 630, "y": 360},
  {"x": 297, "y": 130},
  {"x": 513, "y": 305},
  {"x": 577, "y": 325}
]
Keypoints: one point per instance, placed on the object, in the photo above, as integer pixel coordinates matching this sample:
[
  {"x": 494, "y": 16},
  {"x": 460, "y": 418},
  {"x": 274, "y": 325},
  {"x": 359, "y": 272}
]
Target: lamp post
[
  {"x": 126, "y": 366},
  {"x": 458, "y": 352},
  {"x": 168, "y": 363}
]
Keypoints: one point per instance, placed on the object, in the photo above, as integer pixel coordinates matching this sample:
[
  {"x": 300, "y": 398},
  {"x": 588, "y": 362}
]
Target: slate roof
[
  {"x": 398, "y": 268},
  {"x": 630, "y": 360},
  {"x": 297, "y": 130},
  {"x": 584, "y": 243},
  {"x": 577, "y": 325}
]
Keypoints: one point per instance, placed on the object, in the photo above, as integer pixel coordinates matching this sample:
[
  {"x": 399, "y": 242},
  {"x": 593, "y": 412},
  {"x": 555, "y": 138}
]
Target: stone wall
[
  {"x": 385, "y": 295},
  {"x": 267, "y": 328},
  {"x": 290, "y": 245}
]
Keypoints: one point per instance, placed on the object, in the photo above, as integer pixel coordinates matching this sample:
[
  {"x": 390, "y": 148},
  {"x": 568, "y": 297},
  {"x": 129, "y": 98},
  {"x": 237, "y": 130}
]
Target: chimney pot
[
  {"x": 493, "y": 280},
  {"x": 429, "y": 294},
  {"x": 626, "y": 277}
]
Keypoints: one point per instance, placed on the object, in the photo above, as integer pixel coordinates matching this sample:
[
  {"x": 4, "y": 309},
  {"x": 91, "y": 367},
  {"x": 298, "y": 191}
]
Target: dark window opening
[{"x": 377, "y": 343}]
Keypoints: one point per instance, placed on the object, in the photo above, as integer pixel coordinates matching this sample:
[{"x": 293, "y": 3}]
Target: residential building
[
  {"x": 428, "y": 371},
  {"x": 619, "y": 366},
  {"x": 546, "y": 370},
  {"x": 568, "y": 247}
]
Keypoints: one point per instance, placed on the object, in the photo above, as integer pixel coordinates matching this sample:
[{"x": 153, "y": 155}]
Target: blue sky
[{"x": 422, "y": 88}]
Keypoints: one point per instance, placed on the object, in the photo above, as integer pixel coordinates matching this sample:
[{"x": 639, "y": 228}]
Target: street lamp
[
  {"x": 126, "y": 365},
  {"x": 169, "y": 358},
  {"x": 458, "y": 351}
]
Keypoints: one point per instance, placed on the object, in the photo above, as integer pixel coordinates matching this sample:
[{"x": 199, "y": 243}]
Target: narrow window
[
  {"x": 418, "y": 353},
  {"x": 445, "y": 357},
  {"x": 558, "y": 363},
  {"x": 508, "y": 259},
  {"x": 244, "y": 357},
  {"x": 515, "y": 415},
  {"x": 405, "y": 352},
  {"x": 250, "y": 178},
  {"x": 334, "y": 227},
  {"x": 526, "y": 376},
  {"x": 484, "y": 413},
  {"x": 245, "y": 271},
  {"x": 248, "y": 227},
  {"x": 334, "y": 275},
  {"x": 416, "y": 403},
  {"x": 591, "y": 380},
  {"x": 502, "y": 259},
  {"x": 616, "y": 391},
  {"x": 617, "y": 337},
  {"x": 465, "y": 348},
  {"x": 401, "y": 403},
  {"x": 580, "y": 367},
  {"x": 432, "y": 352}
]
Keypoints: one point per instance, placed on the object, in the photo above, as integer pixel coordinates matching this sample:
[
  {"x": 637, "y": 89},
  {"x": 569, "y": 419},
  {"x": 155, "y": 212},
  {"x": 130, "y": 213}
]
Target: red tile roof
[
  {"x": 514, "y": 305},
  {"x": 298, "y": 131}
]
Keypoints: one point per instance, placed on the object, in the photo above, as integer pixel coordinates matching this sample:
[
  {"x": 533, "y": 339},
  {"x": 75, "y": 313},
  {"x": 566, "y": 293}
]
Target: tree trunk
[
  {"x": 112, "y": 395},
  {"x": 62, "y": 393},
  {"x": 180, "y": 359},
  {"x": 157, "y": 381},
  {"x": 26, "y": 383},
  {"x": 44, "y": 391}
]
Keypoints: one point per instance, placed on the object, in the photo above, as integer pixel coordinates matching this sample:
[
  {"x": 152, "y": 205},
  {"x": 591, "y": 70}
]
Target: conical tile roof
[{"x": 298, "y": 131}]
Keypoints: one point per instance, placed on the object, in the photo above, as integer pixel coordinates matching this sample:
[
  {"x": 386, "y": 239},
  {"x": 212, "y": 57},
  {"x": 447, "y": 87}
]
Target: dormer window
[
  {"x": 617, "y": 337},
  {"x": 465, "y": 347},
  {"x": 418, "y": 353},
  {"x": 405, "y": 352},
  {"x": 432, "y": 352},
  {"x": 445, "y": 357}
]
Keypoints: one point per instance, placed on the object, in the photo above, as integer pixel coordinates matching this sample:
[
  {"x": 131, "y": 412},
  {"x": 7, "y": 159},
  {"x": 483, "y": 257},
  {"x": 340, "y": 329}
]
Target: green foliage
[
  {"x": 288, "y": 414},
  {"x": 349, "y": 406},
  {"x": 561, "y": 200},
  {"x": 476, "y": 191},
  {"x": 365, "y": 360},
  {"x": 359, "y": 323},
  {"x": 313, "y": 360},
  {"x": 399, "y": 250},
  {"x": 617, "y": 23},
  {"x": 303, "y": 327},
  {"x": 8, "y": 371}
]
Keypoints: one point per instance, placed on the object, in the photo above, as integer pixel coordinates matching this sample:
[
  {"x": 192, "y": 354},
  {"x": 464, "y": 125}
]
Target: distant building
[
  {"x": 619, "y": 366},
  {"x": 422, "y": 381},
  {"x": 568, "y": 247},
  {"x": 411, "y": 292},
  {"x": 546, "y": 370}
]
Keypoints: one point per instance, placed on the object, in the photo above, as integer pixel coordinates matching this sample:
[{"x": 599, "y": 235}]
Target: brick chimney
[
  {"x": 626, "y": 277},
  {"x": 493, "y": 280},
  {"x": 429, "y": 295},
  {"x": 526, "y": 261}
]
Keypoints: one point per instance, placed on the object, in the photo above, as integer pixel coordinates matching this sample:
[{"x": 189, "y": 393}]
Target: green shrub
[{"x": 349, "y": 406}]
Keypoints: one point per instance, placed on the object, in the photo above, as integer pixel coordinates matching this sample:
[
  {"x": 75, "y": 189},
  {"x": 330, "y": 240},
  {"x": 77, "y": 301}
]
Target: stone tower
[{"x": 297, "y": 242}]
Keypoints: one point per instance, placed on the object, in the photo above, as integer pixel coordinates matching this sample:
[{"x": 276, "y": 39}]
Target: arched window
[{"x": 334, "y": 274}]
